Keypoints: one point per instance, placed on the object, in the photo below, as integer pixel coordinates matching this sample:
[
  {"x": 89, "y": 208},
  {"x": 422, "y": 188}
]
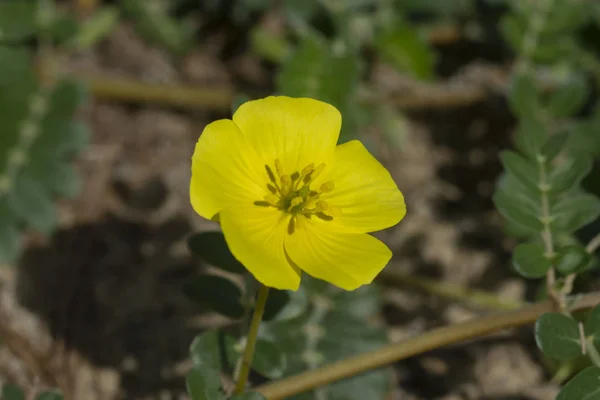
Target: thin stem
[
  {"x": 430, "y": 340},
  {"x": 594, "y": 244},
  {"x": 261, "y": 301},
  {"x": 546, "y": 233},
  {"x": 475, "y": 297}
]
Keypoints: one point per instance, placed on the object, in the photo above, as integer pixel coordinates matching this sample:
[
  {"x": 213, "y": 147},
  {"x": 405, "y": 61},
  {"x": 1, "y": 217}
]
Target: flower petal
[
  {"x": 347, "y": 260},
  {"x": 255, "y": 237},
  {"x": 224, "y": 170},
  {"x": 297, "y": 131},
  {"x": 365, "y": 193}
]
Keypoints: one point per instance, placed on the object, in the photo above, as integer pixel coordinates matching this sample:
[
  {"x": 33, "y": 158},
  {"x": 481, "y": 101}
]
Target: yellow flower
[{"x": 288, "y": 200}]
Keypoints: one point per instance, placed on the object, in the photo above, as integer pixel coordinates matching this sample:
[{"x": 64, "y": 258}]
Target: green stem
[
  {"x": 433, "y": 339},
  {"x": 472, "y": 296},
  {"x": 261, "y": 301}
]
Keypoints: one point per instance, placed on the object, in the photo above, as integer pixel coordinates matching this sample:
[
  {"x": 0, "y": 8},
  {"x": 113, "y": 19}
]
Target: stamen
[
  {"x": 308, "y": 169},
  {"x": 324, "y": 217},
  {"x": 278, "y": 167},
  {"x": 322, "y": 205},
  {"x": 295, "y": 202},
  {"x": 295, "y": 176},
  {"x": 327, "y": 187},
  {"x": 318, "y": 171},
  {"x": 261, "y": 203},
  {"x": 270, "y": 173},
  {"x": 272, "y": 188},
  {"x": 304, "y": 191},
  {"x": 272, "y": 199},
  {"x": 291, "y": 225},
  {"x": 286, "y": 184}
]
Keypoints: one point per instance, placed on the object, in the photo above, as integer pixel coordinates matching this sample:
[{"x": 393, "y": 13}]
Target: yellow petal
[
  {"x": 296, "y": 131},
  {"x": 255, "y": 236},
  {"x": 347, "y": 260},
  {"x": 224, "y": 170},
  {"x": 364, "y": 192}
]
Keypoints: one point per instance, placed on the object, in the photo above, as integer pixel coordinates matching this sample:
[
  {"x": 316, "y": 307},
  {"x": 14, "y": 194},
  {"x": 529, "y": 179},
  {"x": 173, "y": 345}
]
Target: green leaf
[
  {"x": 249, "y": 396},
  {"x": 557, "y": 335},
  {"x": 297, "y": 305},
  {"x": 592, "y": 325},
  {"x": 209, "y": 349},
  {"x": 17, "y": 19},
  {"x": 50, "y": 395},
  {"x": 276, "y": 302},
  {"x": 570, "y": 173},
  {"x": 32, "y": 203},
  {"x": 156, "y": 25},
  {"x": 530, "y": 260},
  {"x": 523, "y": 96},
  {"x": 238, "y": 100},
  {"x": 56, "y": 177},
  {"x": 204, "y": 383},
  {"x": 268, "y": 360},
  {"x": 568, "y": 98},
  {"x": 212, "y": 248},
  {"x": 572, "y": 259},
  {"x": 217, "y": 293},
  {"x": 518, "y": 212},
  {"x": 584, "y": 386},
  {"x": 12, "y": 392},
  {"x": 554, "y": 145},
  {"x": 523, "y": 170},
  {"x": 10, "y": 236},
  {"x": 63, "y": 28},
  {"x": 531, "y": 135},
  {"x": 565, "y": 16},
  {"x": 14, "y": 63},
  {"x": 574, "y": 211},
  {"x": 329, "y": 331},
  {"x": 96, "y": 27},
  {"x": 323, "y": 71},
  {"x": 406, "y": 51}
]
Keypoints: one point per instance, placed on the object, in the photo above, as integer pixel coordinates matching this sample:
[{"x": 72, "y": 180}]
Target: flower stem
[
  {"x": 472, "y": 296},
  {"x": 261, "y": 301},
  {"x": 433, "y": 339}
]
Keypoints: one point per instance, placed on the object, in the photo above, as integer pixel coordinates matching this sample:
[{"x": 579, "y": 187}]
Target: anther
[
  {"x": 270, "y": 174},
  {"x": 295, "y": 176},
  {"x": 278, "y": 167},
  {"x": 272, "y": 188},
  {"x": 272, "y": 199},
  {"x": 324, "y": 216},
  {"x": 261, "y": 203},
  {"x": 318, "y": 171},
  {"x": 291, "y": 225},
  {"x": 322, "y": 205},
  {"x": 327, "y": 187},
  {"x": 308, "y": 169},
  {"x": 295, "y": 202}
]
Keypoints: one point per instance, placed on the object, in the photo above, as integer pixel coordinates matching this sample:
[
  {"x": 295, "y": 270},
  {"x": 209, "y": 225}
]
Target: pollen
[{"x": 296, "y": 194}]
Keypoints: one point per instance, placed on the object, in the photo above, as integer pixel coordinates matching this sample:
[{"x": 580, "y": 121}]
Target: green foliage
[
  {"x": 403, "y": 48},
  {"x": 584, "y": 386},
  {"x": 572, "y": 259},
  {"x": 13, "y": 392},
  {"x": 204, "y": 383},
  {"x": 330, "y": 329},
  {"x": 212, "y": 248},
  {"x": 39, "y": 139},
  {"x": 304, "y": 329},
  {"x": 324, "y": 71},
  {"x": 530, "y": 260},
  {"x": 557, "y": 335},
  {"x": 592, "y": 326},
  {"x": 217, "y": 293},
  {"x": 153, "y": 21}
]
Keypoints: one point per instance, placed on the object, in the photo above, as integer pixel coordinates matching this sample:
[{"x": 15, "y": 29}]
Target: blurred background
[{"x": 92, "y": 295}]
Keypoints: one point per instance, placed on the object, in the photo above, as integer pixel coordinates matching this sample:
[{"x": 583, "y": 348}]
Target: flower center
[{"x": 292, "y": 193}]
